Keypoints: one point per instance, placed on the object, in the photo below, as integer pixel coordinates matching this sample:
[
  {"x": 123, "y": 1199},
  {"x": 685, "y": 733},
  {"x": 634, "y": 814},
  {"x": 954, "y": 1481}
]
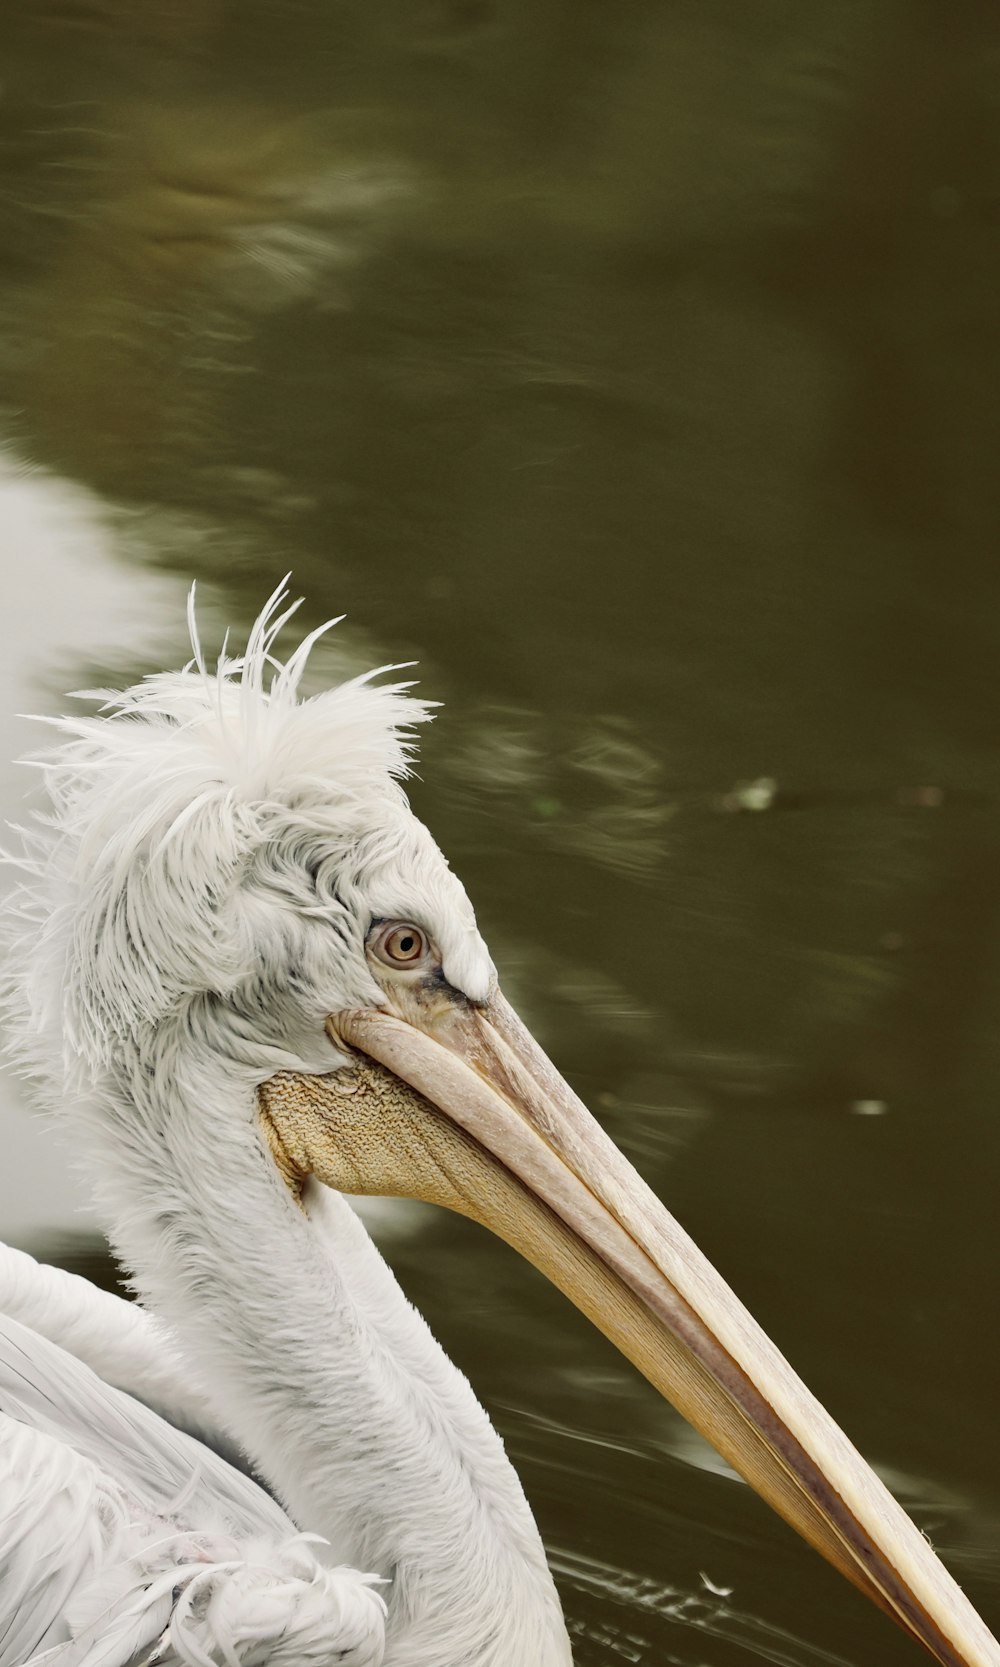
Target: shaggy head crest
[{"x": 198, "y": 824}]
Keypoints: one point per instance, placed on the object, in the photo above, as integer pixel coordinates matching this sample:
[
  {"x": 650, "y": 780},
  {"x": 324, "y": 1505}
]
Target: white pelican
[{"x": 243, "y": 972}]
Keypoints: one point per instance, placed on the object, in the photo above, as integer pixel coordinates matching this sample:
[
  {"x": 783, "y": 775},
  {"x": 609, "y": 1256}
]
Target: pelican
[{"x": 243, "y": 974}]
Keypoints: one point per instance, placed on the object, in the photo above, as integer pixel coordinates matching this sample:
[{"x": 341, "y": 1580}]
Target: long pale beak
[{"x": 494, "y": 1132}]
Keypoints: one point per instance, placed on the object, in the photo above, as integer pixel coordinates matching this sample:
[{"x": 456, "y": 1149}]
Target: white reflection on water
[
  {"x": 587, "y": 786},
  {"x": 69, "y": 604},
  {"x": 637, "y": 1614},
  {"x": 263, "y": 208},
  {"x": 616, "y": 1614},
  {"x": 674, "y": 1437}
]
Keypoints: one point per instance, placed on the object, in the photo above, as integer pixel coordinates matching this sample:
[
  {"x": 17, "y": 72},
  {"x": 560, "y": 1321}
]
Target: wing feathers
[
  {"x": 118, "y": 1340},
  {"x": 124, "y": 1542},
  {"x": 52, "y": 1392}
]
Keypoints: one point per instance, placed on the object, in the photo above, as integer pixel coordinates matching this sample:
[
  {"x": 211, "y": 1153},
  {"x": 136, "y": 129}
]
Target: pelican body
[{"x": 242, "y": 972}]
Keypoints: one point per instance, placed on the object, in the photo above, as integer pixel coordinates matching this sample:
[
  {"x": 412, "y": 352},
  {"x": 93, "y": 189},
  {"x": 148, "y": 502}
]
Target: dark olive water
[{"x": 635, "y": 368}]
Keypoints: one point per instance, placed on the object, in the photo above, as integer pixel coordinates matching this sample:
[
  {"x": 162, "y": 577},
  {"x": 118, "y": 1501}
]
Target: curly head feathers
[{"x": 200, "y": 828}]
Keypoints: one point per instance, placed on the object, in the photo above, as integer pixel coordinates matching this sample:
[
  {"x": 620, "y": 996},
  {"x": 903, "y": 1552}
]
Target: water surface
[{"x": 636, "y": 371}]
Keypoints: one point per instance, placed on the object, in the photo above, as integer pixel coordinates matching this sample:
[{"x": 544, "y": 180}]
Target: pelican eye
[{"x": 401, "y": 944}]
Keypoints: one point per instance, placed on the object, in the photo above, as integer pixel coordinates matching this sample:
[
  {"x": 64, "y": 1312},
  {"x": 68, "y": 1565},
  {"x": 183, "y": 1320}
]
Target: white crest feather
[{"x": 158, "y": 804}]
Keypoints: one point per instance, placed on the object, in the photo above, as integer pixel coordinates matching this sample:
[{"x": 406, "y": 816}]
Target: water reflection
[
  {"x": 584, "y": 786},
  {"x": 617, "y": 1616},
  {"x": 72, "y": 610}
]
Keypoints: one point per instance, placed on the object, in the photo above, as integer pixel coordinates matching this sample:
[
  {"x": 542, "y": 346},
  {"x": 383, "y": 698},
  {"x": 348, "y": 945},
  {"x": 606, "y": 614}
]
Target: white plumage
[
  {"x": 229, "y": 884},
  {"x": 122, "y": 1539},
  {"x": 189, "y": 911}
]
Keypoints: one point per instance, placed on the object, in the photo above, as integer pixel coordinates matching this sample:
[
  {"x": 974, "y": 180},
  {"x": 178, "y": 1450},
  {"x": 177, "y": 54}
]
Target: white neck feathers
[{"x": 327, "y": 1376}]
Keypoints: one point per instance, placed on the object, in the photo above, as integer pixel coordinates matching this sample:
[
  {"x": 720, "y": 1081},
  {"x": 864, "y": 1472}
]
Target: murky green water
[{"x": 636, "y": 370}]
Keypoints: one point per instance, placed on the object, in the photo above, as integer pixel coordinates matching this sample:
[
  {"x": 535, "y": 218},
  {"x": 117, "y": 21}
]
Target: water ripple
[{"x": 634, "y": 1608}]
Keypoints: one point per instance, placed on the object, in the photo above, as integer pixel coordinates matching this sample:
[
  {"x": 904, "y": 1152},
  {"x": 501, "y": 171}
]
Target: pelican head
[{"x": 234, "y": 882}]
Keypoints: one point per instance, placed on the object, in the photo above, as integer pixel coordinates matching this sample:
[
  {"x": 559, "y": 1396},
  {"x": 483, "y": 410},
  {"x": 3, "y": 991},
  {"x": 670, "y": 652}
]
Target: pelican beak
[{"x": 485, "y": 1125}]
